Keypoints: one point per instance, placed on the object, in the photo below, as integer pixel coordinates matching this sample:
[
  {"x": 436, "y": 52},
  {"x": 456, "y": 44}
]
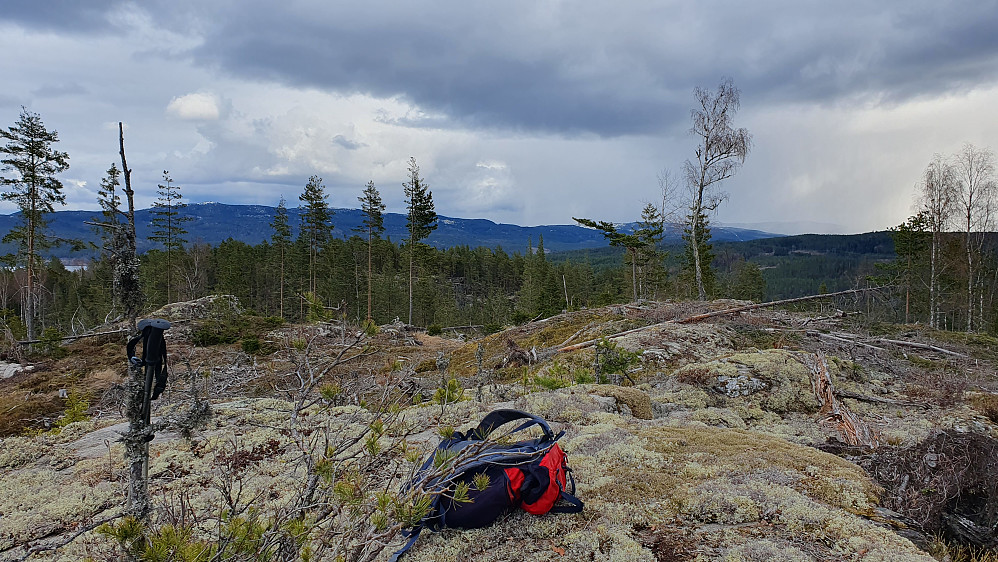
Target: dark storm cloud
[
  {"x": 75, "y": 16},
  {"x": 609, "y": 70},
  {"x": 546, "y": 66}
]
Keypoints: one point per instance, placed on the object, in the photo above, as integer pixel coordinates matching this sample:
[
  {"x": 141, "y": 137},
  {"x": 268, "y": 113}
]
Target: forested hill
[
  {"x": 214, "y": 222},
  {"x": 792, "y": 266}
]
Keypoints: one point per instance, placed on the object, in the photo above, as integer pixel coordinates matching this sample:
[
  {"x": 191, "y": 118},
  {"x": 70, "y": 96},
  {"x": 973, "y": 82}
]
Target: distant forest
[{"x": 464, "y": 286}]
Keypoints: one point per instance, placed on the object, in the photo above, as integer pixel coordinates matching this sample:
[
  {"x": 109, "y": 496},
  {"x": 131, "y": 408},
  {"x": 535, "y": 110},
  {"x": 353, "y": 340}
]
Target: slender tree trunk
[
  {"x": 634, "y": 274},
  {"x": 411, "y": 248},
  {"x": 907, "y": 291},
  {"x": 565, "y": 285},
  {"x": 280, "y": 305},
  {"x": 369, "y": 288},
  {"x": 970, "y": 280},
  {"x": 697, "y": 212},
  {"x": 933, "y": 322},
  {"x": 29, "y": 302},
  {"x": 129, "y": 269}
]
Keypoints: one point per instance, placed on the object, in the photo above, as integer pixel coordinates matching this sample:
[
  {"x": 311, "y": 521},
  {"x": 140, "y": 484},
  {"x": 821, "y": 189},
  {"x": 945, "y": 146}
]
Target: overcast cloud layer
[{"x": 528, "y": 112}]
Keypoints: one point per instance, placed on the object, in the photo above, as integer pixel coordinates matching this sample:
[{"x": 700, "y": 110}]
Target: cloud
[
  {"x": 596, "y": 68},
  {"x": 60, "y": 90},
  {"x": 342, "y": 141},
  {"x": 197, "y": 106},
  {"x": 63, "y": 15}
]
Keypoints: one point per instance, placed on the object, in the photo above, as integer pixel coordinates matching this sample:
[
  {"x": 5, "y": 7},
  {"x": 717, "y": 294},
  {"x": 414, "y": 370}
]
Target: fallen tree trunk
[
  {"x": 844, "y": 340},
  {"x": 736, "y": 310},
  {"x": 770, "y": 304},
  {"x": 920, "y": 346}
]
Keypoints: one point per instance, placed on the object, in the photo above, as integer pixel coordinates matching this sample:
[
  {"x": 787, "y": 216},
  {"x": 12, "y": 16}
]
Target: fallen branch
[
  {"x": 770, "y": 304},
  {"x": 31, "y": 551},
  {"x": 736, "y": 310},
  {"x": 845, "y": 340},
  {"x": 838, "y": 314},
  {"x": 575, "y": 335},
  {"x": 875, "y": 399},
  {"x": 76, "y": 337},
  {"x": 920, "y": 346},
  {"x": 471, "y": 327}
]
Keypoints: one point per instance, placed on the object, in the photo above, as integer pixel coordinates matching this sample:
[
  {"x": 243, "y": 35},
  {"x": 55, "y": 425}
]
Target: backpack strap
[
  {"x": 498, "y": 418},
  {"x": 413, "y": 535},
  {"x": 575, "y": 503}
]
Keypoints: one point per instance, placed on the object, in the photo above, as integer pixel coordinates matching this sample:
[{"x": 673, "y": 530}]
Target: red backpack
[{"x": 532, "y": 474}]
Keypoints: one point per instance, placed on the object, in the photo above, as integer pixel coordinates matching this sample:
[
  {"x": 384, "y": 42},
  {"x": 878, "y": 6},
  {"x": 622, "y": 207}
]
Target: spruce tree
[
  {"x": 421, "y": 217},
  {"x": 33, "y": 185},
  {"x": 281, "y": 240},
  {"x": 118, "y": 245},
  {"x": 316, "y": 226},
  {"x": 167, "y": 225},
  {"x": 374, "y": 224}
]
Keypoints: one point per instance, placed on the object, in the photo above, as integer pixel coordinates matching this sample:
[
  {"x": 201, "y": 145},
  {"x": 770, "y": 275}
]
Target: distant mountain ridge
[{"x": 213, "y": 223}]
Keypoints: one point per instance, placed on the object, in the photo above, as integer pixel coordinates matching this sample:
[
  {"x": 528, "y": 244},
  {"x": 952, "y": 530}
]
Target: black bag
[{"x": 532, "y": 474}]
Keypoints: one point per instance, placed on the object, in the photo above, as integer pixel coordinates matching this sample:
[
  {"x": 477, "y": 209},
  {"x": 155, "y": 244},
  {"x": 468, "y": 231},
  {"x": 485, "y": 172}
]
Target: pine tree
[
  {"x": 316, "y": 226},
  {"x": 421, "y": 217},
  {"x": 374, "y": 224},
  {"x": 167, "y": 224},
  {"x": 632, "y": 243},
  {"x": 650, "y": 231},
  {"x": 35, "y": 188},
  {"x": 281, "y": 240}
]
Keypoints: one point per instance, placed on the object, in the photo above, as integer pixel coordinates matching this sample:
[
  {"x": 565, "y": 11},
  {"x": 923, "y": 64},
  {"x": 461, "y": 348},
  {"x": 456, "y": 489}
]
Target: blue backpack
[{"x": 532, "y": 474}]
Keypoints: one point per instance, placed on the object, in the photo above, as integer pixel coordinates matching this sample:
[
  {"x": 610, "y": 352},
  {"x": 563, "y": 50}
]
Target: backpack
[{"x": 532, "y": 474}]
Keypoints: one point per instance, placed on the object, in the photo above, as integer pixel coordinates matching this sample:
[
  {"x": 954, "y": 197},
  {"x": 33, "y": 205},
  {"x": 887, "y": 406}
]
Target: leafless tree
[
  {"x": 938, "y": 196},
  {"x": 975, "y": 174},
  {"x": 721, "y": 150}
]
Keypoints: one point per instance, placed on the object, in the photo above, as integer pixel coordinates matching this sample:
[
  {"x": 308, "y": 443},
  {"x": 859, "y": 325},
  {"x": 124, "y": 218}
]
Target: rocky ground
[{"x": 769, "y": 435}]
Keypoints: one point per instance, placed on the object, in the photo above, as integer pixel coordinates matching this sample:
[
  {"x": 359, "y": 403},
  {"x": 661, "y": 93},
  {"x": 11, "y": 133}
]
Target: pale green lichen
[{"x": 721, "y": 417}]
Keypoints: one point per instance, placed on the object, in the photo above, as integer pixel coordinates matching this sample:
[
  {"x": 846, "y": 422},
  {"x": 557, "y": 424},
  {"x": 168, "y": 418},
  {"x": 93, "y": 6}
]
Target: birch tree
[
  {"x": 938, "y": 195},
  {"x": 975, "y": 175},
  {"x": 721, "y": 150}
]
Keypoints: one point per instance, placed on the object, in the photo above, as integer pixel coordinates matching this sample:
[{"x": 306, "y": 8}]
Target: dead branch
[
  {"x": 38, "y": 548},
  {"x": 853, "y": 430},
  {"x": 838, "y": 314},
  {"x": 78, "y": 336},
  {"x": 736, "y": 310},
  {"x": 844, "y": 340},
  {"x": 876, "y": 399},
  {"x": 771, "y": 304},
  {"x": 575, "y": 335},
  {"x": 920, "y": 346}
]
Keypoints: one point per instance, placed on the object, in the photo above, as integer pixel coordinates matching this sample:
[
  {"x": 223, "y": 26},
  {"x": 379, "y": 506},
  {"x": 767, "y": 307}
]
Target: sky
[{"x": 524, "y": 111}]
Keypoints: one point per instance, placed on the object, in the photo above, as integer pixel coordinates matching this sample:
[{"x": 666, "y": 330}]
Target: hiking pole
[{"x": 140, "y": 409}]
